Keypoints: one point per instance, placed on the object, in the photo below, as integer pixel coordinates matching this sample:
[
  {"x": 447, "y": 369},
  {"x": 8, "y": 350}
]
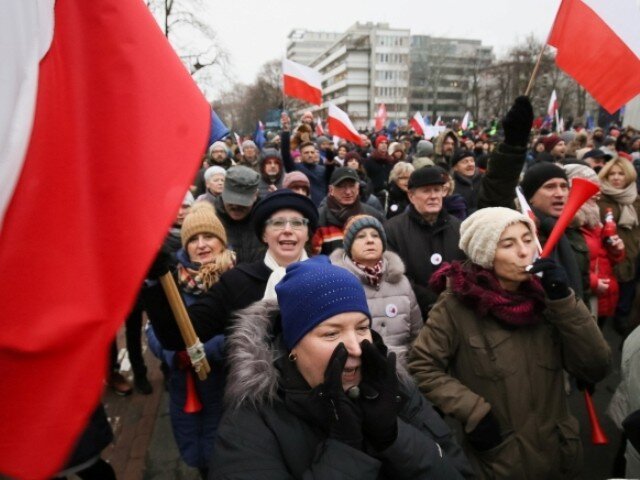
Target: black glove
[
  {"x": 161, "y": 264},
  {"x": 631, "y": 426},
  {"x": 344, "y": 416},
  {"x": 379, "y": 396},
  {"x": 517, "y": 122},
  {"x": 554, "y": 278},
  {"x": 486, "y": 435}
]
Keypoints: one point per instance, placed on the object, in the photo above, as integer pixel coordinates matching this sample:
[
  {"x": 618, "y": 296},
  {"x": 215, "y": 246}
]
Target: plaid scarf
[
  {"x": 479, "y": 289},
  {"x": 373, "y": 275}
]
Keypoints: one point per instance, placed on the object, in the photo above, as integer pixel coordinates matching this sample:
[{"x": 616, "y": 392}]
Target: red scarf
[{"x": 479, "y": 289}]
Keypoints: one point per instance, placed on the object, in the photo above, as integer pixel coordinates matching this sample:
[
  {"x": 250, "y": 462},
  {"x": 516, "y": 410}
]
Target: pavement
[{"x": 144, "y": 448}]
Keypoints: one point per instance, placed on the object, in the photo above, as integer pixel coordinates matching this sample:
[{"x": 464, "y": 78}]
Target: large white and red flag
[
  {"x": 381, "y": 117},
  {"x": 101, "y": 132},
  {"x": 340, "y": 125},
  {"x": 599, "y": 46},
  {"x": 417, "y": 122},
  {"x": 300, "y": 81}
]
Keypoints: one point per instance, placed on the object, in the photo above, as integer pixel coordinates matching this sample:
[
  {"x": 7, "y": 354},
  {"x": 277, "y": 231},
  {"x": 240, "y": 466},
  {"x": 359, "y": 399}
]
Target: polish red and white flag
[
  {"x": 381, "y": 117},
  {"x": 552, "y": 109},
  {"x": 599, "y": 46},
  {"x": 340, "y": 125},
  {"x": 302, "y": 82},
  {"x": 319, "y": 127},
  {"x": 97, "y": 149},
  {"x": 417, "y": 122}
]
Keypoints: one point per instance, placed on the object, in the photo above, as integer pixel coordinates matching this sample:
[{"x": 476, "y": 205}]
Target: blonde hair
[
  {"x": 399, "y": 169},
  {"x": 630, "y": 174}
]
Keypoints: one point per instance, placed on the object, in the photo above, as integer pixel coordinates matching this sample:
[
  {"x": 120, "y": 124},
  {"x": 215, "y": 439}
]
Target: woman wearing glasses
[{"x": 284, "y": 221}]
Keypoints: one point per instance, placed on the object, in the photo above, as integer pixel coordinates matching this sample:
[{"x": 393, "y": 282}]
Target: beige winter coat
[
  {"x": 467, "y": 365},
  {"x": 394, "y": 309}
]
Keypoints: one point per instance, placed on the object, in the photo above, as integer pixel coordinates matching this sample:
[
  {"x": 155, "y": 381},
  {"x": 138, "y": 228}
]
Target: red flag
[
  {"x": 417, "y": 122},
  {"x": 340, "y": 125},
  {"x": 381, "y": 117},
  {"x": 302, "y": 82},
  {"x": 599, "y": 46},
  {"x": 117, "y": 135}
]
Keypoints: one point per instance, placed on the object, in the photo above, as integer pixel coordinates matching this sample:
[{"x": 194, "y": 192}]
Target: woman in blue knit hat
[{"x": 312, "y": 393}]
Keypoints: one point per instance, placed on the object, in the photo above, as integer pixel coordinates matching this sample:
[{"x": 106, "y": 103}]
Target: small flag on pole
[
  {"x": 300, "y": 81},
  {"x": 340, "y": 125}
]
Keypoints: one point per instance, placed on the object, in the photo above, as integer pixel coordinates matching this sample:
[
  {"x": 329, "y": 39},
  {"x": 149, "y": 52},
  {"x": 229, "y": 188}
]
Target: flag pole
[
  {"x": 534, "y": 74},
  {"x": 195, "y": 349}
]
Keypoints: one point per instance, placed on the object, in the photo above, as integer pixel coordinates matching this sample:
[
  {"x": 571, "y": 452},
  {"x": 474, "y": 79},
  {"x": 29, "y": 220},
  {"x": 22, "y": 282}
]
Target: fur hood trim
[{"x": 251, "y": 353}]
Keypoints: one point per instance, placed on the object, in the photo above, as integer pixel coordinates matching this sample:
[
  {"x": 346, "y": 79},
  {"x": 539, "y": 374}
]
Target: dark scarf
[
  {"x": 373, "y": 275},
  {"x": 382, "y": 157},
  {"x": 478, "y": 289},
  {"x": 342, "y": 212}
]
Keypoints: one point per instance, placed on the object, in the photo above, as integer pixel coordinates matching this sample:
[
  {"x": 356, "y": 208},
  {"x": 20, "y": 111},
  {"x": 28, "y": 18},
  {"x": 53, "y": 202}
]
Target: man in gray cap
[
  {"x": 425, "y": 236},
  {"x": 233, "y": 208},
  {"x": 342, "y": 202}
]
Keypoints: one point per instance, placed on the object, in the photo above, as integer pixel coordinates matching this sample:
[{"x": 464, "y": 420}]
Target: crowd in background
[{"x": 410, "y": 258}]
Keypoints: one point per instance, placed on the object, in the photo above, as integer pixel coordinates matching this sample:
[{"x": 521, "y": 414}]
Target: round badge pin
[
  {"x": 393, "y": 208},
  {"x": 436, "y": 259},
  {"x": 391, "y": 310}
]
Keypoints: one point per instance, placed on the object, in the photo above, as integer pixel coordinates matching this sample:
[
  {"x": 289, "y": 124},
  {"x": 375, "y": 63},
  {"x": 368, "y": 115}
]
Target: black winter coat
[
  {"x": 241, "y": 237},
  {"x": 210, "y": 315},
  {"x": 468, "y": 187},
  {"x": 262, "y": 435},
  {"x": 423, "y": 248}
]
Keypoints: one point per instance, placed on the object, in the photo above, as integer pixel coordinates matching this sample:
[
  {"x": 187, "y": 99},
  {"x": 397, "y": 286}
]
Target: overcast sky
[{"x": 255, "y": 31}]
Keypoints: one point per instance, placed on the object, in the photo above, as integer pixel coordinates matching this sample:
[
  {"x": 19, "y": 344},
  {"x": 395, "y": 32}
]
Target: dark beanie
[
  {"x": 550, "y": 142},
  {"x": 460, "y": 155},
  {"x": 280, "y": 200},
  {"x": 357, "y": 223},
  {"x": 313, "y": 291},
  {"x": 537, "y": 175}
]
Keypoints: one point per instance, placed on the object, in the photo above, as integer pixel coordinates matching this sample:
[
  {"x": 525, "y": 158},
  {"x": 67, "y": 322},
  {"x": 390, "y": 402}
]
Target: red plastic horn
[
  {"x": 192, "y": 404},
  {"x": 598, "y": 436},
  {"x": 581, "y": 191}
]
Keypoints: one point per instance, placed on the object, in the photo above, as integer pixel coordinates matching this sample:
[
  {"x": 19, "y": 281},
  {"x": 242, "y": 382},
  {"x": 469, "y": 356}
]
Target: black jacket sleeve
[
  {"x": 246, "y": 448},
  {"x": 285, "y": 151},
  {"x": 498, "y": 186}
]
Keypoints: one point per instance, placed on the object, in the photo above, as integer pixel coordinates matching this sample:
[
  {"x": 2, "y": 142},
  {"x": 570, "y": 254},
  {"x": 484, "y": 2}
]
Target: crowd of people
[{"x": 350, "y": 298}]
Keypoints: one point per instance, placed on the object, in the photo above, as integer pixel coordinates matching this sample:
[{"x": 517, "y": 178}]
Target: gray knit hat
[
  {"x": 480, "y": 232},
  {"x": 357, "y": 223}
]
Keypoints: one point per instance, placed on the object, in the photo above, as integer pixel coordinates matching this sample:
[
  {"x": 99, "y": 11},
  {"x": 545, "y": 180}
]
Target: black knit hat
[
  {"x": 537, "y": 175},
  {"x": 280, "y": 200},
  {"x": 427, "y": 176},
  {"x": 459, "y": 155}
]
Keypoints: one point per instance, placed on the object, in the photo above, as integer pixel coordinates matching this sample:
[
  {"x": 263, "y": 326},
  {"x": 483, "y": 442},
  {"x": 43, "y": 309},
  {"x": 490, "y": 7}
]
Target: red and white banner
[
  {"x": 94, "y": 167},
  {"x": 339, "y": 124},
  {"x": 599, "y": 46},
  {"x": 300, "y": 81},
  {"x": 381, "y": 117},
  {"x": 465, "y": 121},
  {"x": 552, "y": 109},
  {"x": 417, "y": 122}
]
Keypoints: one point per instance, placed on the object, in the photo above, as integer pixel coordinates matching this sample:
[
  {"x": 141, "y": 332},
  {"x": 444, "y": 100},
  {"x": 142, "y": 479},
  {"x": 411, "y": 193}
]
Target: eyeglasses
[{"x": 279, "y": 223}]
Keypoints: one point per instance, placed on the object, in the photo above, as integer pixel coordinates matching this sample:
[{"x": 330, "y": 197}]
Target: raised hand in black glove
[
  {"x": 161, "y": 264},
  {"x": 517, "y": 122},
  {"x": 379, "y": 396},
  {"x": 486, "y": 435},
  {"x": 344, "y": 415},
  {"x": 554, "y": 278}
]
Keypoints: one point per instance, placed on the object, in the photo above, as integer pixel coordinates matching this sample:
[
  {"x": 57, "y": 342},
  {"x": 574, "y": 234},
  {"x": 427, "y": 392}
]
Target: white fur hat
[{"x": 480, "y": 232}]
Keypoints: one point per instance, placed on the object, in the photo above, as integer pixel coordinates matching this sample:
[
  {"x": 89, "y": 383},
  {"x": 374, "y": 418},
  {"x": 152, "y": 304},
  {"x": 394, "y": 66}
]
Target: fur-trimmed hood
[
  {"x": 440, "y": 140},
  {"x": 392, "y": 269},
  {"x": 251, "y": 353},
  {"x": 253, "y": 347}
]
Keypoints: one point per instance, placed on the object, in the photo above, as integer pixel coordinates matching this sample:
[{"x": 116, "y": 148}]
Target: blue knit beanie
[{"x": 314, "y": 291}]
